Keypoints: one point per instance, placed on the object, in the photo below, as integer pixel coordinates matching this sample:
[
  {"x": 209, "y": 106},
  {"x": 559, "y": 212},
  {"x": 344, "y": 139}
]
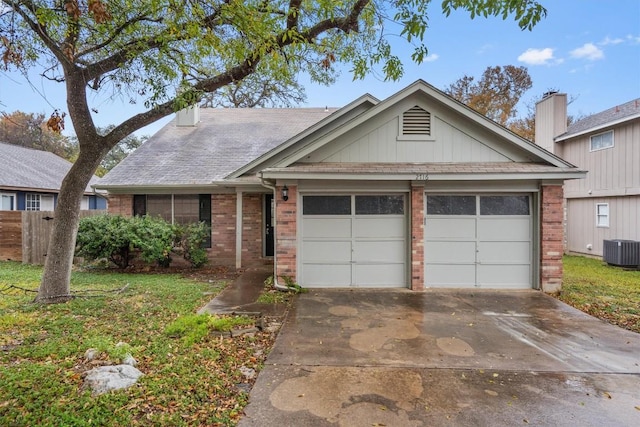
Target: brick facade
[
  {"x": 417, "y": 238},
  {"x": 286, "y": 234},
  {"x": 252, "y": 229},
  {"x": 552, "y": 237}
]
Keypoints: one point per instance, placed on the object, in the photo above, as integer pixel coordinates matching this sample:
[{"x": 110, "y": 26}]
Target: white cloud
[
  {"x": 432, "y": 57},
  {"x": 607, "y": 41},
  {"x": 633, "y": 39},
  {"x": 537, "y": 56},
  {"x": 588, "y": 51}
]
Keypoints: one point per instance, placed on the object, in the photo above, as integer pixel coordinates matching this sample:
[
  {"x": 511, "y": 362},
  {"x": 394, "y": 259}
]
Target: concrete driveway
[{"x": 446, "y": 358}]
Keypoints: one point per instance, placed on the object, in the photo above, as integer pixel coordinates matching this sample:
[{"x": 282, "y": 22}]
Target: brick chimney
[{"x": 551, "y": 119}]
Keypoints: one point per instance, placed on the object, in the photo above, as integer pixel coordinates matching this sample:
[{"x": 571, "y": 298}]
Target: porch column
[{"x": 238, "y": 229}]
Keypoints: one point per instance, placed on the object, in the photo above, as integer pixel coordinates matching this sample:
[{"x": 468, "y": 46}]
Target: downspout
[{"x": 273, "y": 188}]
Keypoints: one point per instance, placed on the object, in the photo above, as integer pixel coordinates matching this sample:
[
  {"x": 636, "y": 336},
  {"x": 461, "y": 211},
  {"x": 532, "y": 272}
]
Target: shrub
[
  {"x": 105, "y": 236},
  {"x": 191, "y": 240},
  {"x": 115, "y": 238},
  {"x": 154, "y": 237}
]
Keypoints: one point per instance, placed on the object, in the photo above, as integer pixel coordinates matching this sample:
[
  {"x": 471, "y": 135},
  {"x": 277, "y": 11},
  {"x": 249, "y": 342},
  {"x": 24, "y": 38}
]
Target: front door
[{"x": 268, "y": 225}]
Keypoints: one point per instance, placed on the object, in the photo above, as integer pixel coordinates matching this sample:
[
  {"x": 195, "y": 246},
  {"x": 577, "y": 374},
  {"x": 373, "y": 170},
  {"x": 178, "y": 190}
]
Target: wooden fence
[
  {"x": 10, "y": 235},
  {"x": 25, "y": 235}
]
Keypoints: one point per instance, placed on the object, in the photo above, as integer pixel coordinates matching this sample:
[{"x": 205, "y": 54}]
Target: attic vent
[{"x": 416, "y": 121}]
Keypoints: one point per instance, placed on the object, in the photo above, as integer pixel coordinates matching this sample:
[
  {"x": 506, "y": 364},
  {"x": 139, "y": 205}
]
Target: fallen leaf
[{"x": 607, "y": 395}]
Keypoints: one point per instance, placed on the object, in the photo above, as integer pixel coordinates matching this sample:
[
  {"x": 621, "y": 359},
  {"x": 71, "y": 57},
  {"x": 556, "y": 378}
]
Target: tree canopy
[
  {"x": 168, "y": 53},
  {"x": 495, "y": 94}
]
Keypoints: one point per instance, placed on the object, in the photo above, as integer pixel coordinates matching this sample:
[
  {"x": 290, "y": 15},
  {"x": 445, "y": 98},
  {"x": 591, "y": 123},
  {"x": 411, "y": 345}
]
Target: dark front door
[{"x": 269, "y": 237}]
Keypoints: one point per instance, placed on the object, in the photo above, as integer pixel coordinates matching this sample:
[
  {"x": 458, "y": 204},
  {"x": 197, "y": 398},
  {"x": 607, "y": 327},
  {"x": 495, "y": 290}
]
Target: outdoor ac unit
[{"x": 624, "y": 253}]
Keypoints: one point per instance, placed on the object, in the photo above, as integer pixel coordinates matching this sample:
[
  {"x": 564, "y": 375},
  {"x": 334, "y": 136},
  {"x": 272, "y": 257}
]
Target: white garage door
[
  {"x": 353, "y": 240},
  {"x": 481, "y": 241}
]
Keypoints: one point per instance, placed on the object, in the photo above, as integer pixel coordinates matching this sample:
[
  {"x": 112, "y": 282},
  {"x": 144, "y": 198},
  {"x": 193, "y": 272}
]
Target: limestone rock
[{"x": 107, "y": 378}]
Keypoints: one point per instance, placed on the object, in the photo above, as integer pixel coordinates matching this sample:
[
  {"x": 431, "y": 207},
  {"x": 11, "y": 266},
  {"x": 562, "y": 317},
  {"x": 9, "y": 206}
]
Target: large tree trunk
[{"x": 55, "y": 285}]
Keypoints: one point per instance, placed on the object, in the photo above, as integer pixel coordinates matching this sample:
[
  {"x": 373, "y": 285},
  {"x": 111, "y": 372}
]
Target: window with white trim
[
  {"x": 416, "y": 122},
  {"x": 84, "y": 203},
  {"x": 602, "y": 215},
  {"x": 7, "y": 201},
  {"x": 602, "y": 141},
  {"x": 38, "y": 202},
  {"x": 32, "y": 202}
]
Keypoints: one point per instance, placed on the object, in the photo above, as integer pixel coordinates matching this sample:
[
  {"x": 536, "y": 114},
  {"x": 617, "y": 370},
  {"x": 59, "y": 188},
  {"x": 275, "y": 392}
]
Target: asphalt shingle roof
[
  {"x": 223, "y": 141},
  {"x": 611, "y": 115},
  {"x": 32, "y": 169}
]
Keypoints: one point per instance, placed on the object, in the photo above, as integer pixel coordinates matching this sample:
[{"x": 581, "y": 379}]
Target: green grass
[
  {"x": 42, "y": 351},
  {"x": 607, "y": 292}
]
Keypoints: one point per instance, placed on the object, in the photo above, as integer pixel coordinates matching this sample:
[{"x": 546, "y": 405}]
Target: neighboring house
[
  {"x": 605, "y": 205},
  {"x": 30, "y": 180},
  {"x": 414, "y": 191}
]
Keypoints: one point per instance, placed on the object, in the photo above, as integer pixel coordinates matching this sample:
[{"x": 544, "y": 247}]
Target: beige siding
[
  {"x": 613, "y": 171},
  {"x": 452, "y": 140},
  {"x": 624, "y": 222}
]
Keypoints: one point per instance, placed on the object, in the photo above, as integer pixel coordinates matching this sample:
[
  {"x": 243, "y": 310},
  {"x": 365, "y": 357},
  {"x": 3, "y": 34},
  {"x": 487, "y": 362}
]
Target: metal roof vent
[
  {"x": 416, "y": 121},
  {"x": 625, "y": 253}
]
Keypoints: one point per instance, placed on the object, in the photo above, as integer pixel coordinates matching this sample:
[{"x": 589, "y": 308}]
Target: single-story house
[
  {"x": 606, "y": 205},
  {"x": 30, "y": 180},
  {"x": 414, "y": 191}
]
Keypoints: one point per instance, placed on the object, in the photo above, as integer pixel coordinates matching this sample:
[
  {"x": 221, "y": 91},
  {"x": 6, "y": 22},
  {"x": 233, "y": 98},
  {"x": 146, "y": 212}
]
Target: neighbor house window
[
  {"x": 84, "y": 203},
  {"x": 32, "y": 202},
  {"x": 7, "y": 201},
  {"x": 602, "y": 141},
  {"x": 38, "y": 202},
  {"x": 416, "y": 122},
  {"x": 602, "y": 214}
]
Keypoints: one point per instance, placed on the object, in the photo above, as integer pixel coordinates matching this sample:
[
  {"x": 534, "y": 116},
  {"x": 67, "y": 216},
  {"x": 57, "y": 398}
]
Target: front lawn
[
  {"x": 607, "y": 292},
  {"x": 191, "y": 377}
]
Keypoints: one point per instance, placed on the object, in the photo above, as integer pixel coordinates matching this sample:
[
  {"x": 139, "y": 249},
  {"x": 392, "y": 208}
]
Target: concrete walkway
[
  {"x": 240, "y": 297},
  {"x": 445, "y": 358}
]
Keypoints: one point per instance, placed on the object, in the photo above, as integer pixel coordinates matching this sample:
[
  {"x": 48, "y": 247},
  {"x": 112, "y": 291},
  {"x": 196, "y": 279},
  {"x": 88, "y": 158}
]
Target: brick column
[
  {"x": 417, "y": 238},
  {"x": 286, "y": 233},
  {"x": 223, "y": 229},
  {"x": 552, "y": 233},
  {"x": 120, "y": 204}
]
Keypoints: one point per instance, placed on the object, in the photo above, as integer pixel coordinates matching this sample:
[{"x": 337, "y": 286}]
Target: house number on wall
[{"x": 422, "y": 176}]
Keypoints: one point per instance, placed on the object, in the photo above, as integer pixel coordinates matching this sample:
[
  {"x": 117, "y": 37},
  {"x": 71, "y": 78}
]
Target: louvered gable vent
[{"x": 416, "y": 121}]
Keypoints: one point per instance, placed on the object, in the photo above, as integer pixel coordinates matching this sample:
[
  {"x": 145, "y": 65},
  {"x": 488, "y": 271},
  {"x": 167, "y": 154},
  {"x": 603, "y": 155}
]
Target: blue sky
[{"x": 589, "y": 49}]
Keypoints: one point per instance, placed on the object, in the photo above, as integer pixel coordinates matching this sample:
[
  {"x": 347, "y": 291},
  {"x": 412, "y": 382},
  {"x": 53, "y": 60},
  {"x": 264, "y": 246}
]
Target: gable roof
[
  {"x": 224, "y": 141},
  {"x": 32, "y": 170},
  {"x": 421, "y": 87},
  {"x": 615, "y": 115}
]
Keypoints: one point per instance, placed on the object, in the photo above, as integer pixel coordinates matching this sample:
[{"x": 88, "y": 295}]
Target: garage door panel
[
  {"x": 326, "y": 251},
  {"x": 450, "y": 252},
  {"x": 376, "y": 275},
  {"x": 451, "y": 228},
  {"x": 447, "y": 276},
  {"x": 500, "y": 228},
  {"x": 388, "y": 227},
  {"x": 489, "y": 249},
  {"x": 505, "y": 252},
  {"x": 504, "y": 276},
  {"x": 327, "y": 227},
  {"x": 327, "y": 275},
  {"x": 381, "y": 251},
  {"x": 365, "y": 245}
]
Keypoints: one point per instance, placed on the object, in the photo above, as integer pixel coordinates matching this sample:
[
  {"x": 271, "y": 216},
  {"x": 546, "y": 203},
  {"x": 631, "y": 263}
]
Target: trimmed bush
[{"x": 116, "y": 238}]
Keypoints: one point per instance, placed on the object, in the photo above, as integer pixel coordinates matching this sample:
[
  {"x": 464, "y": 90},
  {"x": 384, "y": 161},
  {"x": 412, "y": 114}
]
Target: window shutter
[{"x": 416, "y": 121}]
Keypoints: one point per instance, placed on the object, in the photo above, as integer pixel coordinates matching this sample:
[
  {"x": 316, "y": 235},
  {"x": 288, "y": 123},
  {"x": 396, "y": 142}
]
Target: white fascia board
[
  {"x": 562, "y": 138},
  {"x": 420, "y": 177}
]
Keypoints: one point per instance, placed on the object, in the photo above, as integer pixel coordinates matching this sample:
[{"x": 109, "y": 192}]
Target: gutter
[{"x": 276, "y": 285}]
